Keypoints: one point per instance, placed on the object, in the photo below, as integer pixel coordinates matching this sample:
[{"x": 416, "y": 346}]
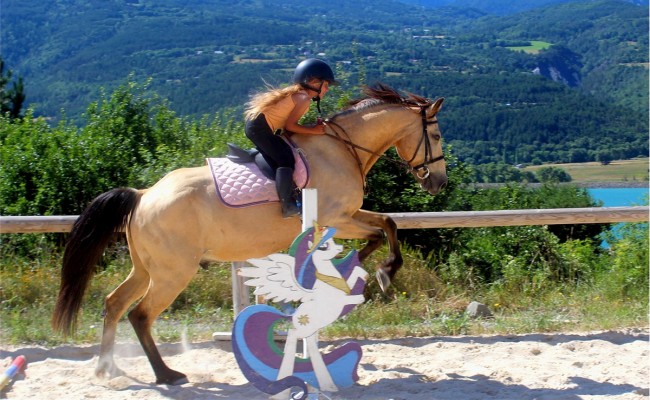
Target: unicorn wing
[{"x": 274, "y": 278}]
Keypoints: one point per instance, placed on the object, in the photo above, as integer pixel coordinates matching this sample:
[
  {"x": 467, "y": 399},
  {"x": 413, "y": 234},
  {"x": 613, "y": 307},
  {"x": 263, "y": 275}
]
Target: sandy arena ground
[{"x": 562, "y": 366}]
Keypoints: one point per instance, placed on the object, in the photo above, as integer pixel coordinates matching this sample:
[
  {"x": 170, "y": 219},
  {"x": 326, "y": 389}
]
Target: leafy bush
[
  {"x": 130, "y": 139},
  {"x": 553, "y": 175},
  {"x": 627, "y": 272}
]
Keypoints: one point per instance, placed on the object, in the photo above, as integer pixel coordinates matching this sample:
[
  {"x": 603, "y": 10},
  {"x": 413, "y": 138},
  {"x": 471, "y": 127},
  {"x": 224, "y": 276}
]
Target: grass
[
  {"x": 418, "y": 304},
  {"x": 535, "y": 47},
  {"x": 617, "y": 171}
]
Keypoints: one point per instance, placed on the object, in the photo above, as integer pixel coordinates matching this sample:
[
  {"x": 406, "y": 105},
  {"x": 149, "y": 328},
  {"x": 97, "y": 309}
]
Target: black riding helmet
[{"x": 313, "y": 68}]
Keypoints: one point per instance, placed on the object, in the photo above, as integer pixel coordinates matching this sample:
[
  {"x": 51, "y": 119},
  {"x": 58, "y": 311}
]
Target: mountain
[
  {"x": 523, "y": 87},
  {"x": 497, "y": 7},
  {"x": 216, "y": 50},
  {"x": 601, "y": 41}
]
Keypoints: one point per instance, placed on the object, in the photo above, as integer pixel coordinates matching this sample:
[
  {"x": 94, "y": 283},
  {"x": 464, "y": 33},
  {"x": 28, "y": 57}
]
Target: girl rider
[{"x": 270, "y": 112}]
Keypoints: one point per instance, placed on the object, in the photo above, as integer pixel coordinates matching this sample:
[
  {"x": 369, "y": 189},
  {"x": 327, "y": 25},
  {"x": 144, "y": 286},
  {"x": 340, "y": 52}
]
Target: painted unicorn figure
[{"x": 327, "y": 288}]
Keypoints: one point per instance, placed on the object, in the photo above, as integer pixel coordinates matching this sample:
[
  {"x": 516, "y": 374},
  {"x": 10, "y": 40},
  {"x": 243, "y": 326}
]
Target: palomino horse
[{"x": 180, "y": 222}]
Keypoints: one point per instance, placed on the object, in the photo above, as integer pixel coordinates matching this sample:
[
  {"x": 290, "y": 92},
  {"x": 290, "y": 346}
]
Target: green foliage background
[
  {"x": 206, "y": 56},
  {"x": 173, "y": 77},
  {"x": 132, "y": 138}
]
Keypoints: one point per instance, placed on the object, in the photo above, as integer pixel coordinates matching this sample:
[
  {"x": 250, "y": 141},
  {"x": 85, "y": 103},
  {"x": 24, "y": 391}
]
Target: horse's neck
[{"x": 375, "y": 130}]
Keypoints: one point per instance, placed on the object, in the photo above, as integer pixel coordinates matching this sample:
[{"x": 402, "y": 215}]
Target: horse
[{"x": 179, "y": 223}]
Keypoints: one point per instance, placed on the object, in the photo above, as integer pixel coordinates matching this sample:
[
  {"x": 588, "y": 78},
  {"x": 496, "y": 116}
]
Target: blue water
[{"x": 620, "y": 197}]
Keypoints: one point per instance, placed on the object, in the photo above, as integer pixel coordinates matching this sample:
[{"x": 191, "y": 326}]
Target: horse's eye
[
  {"x": 436, "y": 137},
  {"x": 324, "y": 246}
]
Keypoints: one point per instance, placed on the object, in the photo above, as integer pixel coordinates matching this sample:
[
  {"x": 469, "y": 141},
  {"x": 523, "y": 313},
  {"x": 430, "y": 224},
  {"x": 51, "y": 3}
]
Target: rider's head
[{"x": 315, "y": 75}]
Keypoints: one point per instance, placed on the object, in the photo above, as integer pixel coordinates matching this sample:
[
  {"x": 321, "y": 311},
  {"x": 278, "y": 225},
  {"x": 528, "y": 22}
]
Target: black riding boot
[{"x": 285, "y": 186}]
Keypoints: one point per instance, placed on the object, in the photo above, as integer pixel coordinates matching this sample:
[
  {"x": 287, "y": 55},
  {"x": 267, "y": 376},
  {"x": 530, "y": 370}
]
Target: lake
[{"x": 620, "y": 197}]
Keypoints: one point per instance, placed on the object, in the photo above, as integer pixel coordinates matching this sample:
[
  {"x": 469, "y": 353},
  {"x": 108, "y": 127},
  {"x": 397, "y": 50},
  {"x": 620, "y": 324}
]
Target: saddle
[
  {"x": 244, "y": 178},
  {"x": 242, "y": 156}
]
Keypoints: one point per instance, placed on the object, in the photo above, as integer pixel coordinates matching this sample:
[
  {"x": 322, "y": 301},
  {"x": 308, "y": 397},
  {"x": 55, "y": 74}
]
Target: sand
[{"x": 560, "y": 366}]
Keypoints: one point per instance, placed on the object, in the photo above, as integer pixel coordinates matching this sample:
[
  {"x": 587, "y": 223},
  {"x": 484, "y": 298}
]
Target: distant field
[
  {"x": 534, "y": 48},
  {"x": 616, "y": 171}
]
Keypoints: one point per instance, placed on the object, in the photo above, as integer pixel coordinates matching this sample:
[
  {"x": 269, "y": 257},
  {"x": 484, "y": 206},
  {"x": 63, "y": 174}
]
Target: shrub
[{"x": 627, "y": 272}]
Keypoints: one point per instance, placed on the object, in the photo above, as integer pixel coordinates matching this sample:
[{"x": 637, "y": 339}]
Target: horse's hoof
[
  {"x": 106, "y": 371},
  {"x": 173, "y": 379},
  {"x": 181, "y": 381},
  {"x": 383, "y": 279}
]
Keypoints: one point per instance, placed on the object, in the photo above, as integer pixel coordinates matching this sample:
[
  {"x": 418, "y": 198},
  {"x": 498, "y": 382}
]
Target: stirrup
[{"x": 290, "y": 209}]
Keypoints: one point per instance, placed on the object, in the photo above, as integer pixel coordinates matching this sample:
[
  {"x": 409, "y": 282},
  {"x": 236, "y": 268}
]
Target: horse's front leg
[{"x": 387, "y": 270}]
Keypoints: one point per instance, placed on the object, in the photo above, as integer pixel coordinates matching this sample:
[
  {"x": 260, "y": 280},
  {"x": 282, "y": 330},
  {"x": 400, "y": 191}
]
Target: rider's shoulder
[{"x": 300, "y": 96}]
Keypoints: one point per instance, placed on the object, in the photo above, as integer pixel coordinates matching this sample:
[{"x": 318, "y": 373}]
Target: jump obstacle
[
  {"x": 240, "y": 292},
  {"x": 323, "y": 287}
]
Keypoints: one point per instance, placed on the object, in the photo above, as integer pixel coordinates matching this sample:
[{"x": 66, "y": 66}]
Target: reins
[
  {"x": 420, "y": 170},
  {"x": 352, "y": 148}
]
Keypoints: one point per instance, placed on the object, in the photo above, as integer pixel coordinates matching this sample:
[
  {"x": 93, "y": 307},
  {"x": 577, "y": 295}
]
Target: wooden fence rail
[
  {"x": 422, "y": 220},
  {"x": 411, "y": 220}
]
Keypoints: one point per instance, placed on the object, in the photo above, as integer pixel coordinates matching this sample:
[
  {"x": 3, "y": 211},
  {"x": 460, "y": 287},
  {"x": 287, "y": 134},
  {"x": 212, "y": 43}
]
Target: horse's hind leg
[
  {"x": 116, "y": 304},
  {"x": 387, "y": 270},
  {"x": 162, "y": 292}
]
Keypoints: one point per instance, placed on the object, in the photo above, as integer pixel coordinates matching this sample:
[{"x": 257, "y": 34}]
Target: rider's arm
[{"x": 301, "y": 102}]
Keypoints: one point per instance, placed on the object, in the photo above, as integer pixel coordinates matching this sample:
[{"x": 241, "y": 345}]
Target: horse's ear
[{"x": 435, "y": 107}]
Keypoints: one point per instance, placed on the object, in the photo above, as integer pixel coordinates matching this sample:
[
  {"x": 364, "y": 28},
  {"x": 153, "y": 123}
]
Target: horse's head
[
  {"x": 409, "y": 123},
  {"x": 421, "y": 146}
]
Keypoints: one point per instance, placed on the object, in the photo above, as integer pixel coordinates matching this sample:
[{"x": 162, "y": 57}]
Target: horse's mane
[{"x": 382, "y": 93}]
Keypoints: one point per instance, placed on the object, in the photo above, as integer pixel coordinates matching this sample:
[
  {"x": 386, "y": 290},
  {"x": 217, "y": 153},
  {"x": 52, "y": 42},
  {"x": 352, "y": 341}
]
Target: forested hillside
[
  {"x": 499, "y": 7},
  {"x": 567, "y": 82}
]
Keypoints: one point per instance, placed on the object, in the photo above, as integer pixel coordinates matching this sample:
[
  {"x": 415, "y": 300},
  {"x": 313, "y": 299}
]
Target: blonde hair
[{"x": 261, "y": 101}]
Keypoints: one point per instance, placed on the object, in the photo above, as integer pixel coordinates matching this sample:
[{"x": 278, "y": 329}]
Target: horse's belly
[
  {"x": 181, "y": 214},
  {"x": 250, "y": 233}
]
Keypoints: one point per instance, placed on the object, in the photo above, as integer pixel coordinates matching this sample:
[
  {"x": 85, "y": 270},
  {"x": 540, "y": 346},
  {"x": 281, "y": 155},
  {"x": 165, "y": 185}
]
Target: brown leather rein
[{"x": 420, "y": 170}]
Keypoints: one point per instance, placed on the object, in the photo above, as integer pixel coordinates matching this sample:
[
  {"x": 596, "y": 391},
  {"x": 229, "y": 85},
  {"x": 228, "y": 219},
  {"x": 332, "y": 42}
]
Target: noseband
[{"x": 421, "y": 170}]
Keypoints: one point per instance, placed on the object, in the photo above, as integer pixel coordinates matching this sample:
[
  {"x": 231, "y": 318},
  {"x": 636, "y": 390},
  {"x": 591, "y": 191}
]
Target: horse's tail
[
  {"x": 257, "y": 355},
  {"x": 91, "y": 233}
]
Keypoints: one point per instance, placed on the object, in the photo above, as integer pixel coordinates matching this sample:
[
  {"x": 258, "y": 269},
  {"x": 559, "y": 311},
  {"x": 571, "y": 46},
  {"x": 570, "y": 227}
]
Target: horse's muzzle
[{"x": 433, "y": 183}]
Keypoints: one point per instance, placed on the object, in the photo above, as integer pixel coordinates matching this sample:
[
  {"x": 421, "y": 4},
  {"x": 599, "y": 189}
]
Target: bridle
[
  {"x": 421, "y": 170},
  {"x": 428, "y": 157}
]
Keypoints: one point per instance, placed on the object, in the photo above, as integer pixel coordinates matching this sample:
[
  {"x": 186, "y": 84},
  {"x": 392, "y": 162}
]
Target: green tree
[
  {"x": 501, "y": 173},
  {"x": 11, "y": 99},
  {"x": 131, "y": 138},
  {"x": 604, "y": 157},
  {"x": 553, "y": 175}
]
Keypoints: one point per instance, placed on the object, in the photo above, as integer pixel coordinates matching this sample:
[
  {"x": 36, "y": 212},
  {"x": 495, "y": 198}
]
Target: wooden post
[{"x": 240, "y": 292}]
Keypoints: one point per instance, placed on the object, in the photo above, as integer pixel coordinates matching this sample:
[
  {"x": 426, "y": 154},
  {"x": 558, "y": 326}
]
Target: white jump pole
[
  {"x": 309, "y": 208},
  {"x": 309, "y": 215}
]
